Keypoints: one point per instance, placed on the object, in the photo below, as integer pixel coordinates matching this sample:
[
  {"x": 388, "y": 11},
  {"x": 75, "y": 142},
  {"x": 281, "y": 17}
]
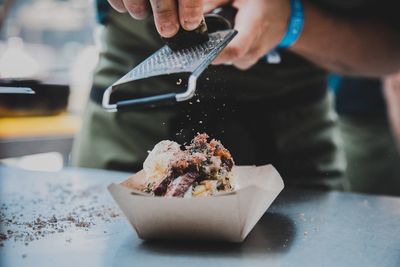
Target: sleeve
[{"x": 103, "y": 8}]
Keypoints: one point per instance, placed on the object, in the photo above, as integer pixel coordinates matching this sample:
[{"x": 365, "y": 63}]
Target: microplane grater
[{"x": 165, "y": 61}]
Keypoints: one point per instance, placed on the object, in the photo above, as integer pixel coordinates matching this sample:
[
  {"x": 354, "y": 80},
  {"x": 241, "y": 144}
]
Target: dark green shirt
[{"x": 359, "y": 96}]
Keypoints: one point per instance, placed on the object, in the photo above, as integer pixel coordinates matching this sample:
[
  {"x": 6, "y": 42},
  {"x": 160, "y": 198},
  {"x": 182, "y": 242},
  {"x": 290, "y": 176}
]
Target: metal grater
[{"x": 193, "y": 60}]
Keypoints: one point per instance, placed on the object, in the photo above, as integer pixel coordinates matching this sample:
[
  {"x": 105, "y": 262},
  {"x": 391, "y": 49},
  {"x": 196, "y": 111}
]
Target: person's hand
[
  {"x": 261, "y": 24},
  {"x": 168, "y": 14},
  {"x": 392, "y": 95}
]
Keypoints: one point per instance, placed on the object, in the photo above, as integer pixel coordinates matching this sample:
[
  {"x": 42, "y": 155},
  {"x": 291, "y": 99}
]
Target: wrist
[{"x": 295, "y": 24}]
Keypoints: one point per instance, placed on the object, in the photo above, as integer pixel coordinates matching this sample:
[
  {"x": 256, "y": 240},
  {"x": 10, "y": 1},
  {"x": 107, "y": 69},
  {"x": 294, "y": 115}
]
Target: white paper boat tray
[{"x": 226, "y": 217}]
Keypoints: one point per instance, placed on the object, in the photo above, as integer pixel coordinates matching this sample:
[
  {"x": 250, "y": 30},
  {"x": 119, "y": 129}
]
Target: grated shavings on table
[{"x": 61, "y": 208}]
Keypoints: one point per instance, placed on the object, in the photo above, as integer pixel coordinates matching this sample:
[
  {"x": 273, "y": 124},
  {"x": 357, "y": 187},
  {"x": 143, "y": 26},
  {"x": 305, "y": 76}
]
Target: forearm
[
  {"x": 348, "y": 46},
  {"x": 392, "y": 95}
]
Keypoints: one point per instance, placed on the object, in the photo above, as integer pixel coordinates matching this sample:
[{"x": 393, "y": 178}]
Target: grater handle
[
  {"x": 146, "y": 102},
  {"x": 221, "y": 18}
]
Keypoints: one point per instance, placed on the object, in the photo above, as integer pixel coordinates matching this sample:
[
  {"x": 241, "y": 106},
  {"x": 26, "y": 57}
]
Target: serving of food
[
  {"x": 196, "y": 192},
  {"x": 203, "y": 168}
]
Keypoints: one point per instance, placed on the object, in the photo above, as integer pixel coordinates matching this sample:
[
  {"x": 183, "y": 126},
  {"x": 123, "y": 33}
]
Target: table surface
[{"x": 301, "y": 228}]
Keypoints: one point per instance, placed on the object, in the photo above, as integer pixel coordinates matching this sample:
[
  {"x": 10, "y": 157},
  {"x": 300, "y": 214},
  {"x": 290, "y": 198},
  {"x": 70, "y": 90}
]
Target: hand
[
  {"x": 261, "y": 25},
  {"x": 168, "y": 14}
]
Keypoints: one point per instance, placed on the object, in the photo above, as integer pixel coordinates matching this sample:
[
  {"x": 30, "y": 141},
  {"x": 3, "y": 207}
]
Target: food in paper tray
[
  {"x": 202, "y": 168},
  {"x": 181, "y": 175}
]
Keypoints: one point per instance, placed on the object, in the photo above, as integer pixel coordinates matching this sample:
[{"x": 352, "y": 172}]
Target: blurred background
[{"x": 50, "y": 46}]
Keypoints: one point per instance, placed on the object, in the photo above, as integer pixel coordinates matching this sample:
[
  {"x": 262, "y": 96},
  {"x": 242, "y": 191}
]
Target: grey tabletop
[{"x": 69, "y": 219}]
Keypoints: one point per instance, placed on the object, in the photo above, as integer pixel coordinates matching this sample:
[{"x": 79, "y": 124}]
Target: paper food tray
[{"x": 227, "y": 217}]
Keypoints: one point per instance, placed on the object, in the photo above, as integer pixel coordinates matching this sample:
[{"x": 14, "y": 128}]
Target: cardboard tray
[{"x": 226, "y": 217}]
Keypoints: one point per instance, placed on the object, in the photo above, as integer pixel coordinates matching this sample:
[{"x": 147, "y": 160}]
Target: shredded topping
[{"x": 204, "y": 167}]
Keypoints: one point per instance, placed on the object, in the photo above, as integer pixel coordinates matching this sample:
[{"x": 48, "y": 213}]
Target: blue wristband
[{"x": 295, "y": 26}]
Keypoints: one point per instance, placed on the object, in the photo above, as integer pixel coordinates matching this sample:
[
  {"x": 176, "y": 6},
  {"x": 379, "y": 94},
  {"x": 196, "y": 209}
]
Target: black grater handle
[
  {"x": 146, "y": 102},
  {"x": 222, "y": 18},
  {"x": 219, "y": 19}
]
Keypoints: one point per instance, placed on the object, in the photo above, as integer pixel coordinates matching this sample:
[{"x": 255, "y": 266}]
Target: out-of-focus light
[
  {"x": 48, "y": 162},
  {"x": 81, "y": 73},
  {"x": 16, "y": 62},
  {"x": 51, "y": 15}
]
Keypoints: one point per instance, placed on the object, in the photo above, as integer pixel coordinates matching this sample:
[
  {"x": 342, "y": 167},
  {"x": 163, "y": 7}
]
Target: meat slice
[
  {"x": 228, "y": 164},
  {"x": 181, "y": 184},
  {"x": 160, "y": 187}
]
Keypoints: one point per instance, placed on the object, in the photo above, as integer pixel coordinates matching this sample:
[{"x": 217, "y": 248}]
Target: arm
[
  {"x": 392, "y": 95},
  {"x": 348, "y": 46},
  {"x": 344, "y": 45}
]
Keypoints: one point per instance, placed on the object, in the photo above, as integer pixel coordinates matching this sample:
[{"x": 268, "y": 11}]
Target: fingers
[
  {"x": 165, "y": 16},
  {"x": 246, "y": 25},
  {"x": 138, "y": 9},
  {"x": 118, "y": 5},
  {"x": 248, "y": 46},
  {"x": 209, "y": 5},
  {"x": 245, "y": 63},
  {"x": 190, "y": 13}
]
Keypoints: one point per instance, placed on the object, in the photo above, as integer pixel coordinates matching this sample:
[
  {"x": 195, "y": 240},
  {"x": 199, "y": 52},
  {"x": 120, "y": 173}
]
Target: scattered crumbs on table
[
  {"x": 302, "y": 217},
  {"x": 24, "y": 256},
  {"x": 63, "y": 207},
  {"x": 3, "y": 237}
]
